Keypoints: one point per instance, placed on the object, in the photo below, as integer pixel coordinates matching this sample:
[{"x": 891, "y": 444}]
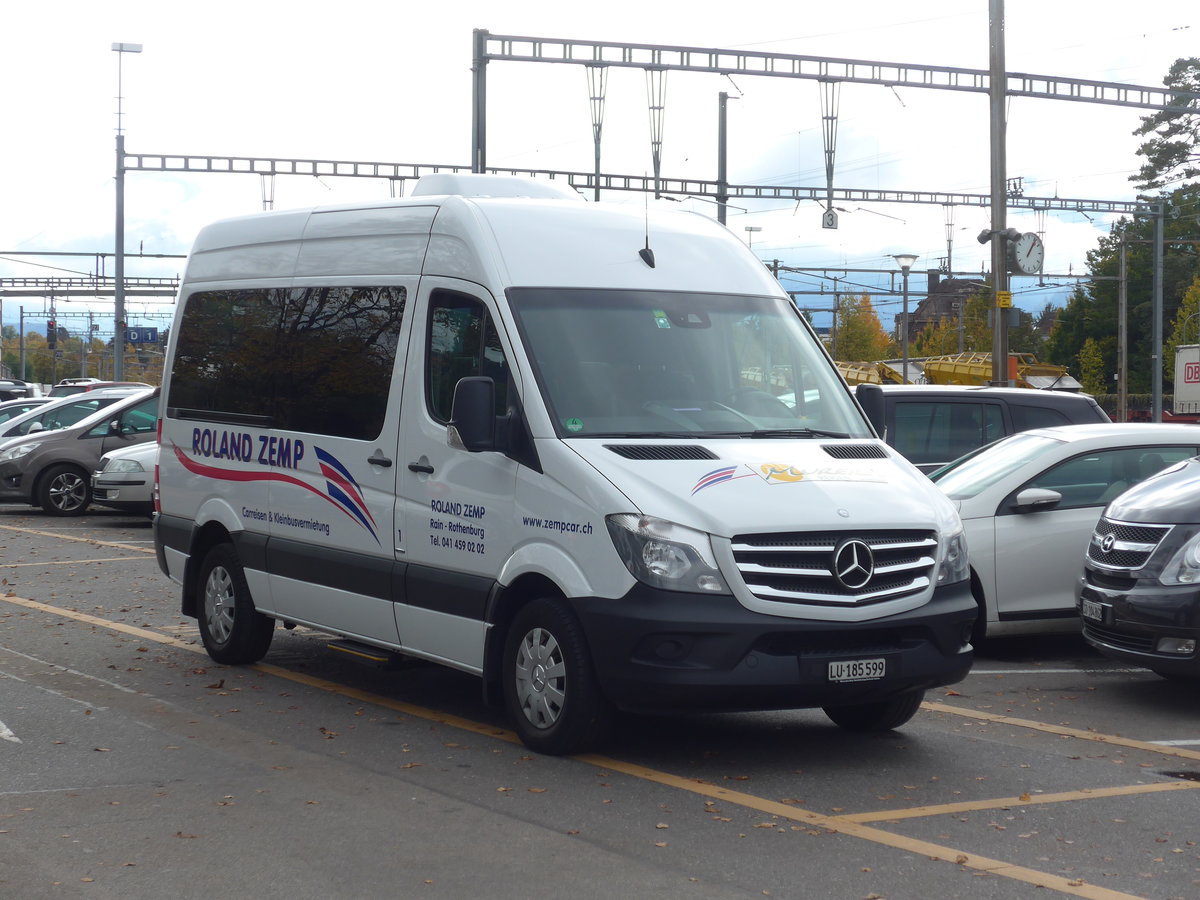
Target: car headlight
[
  {"x": 665, "y": 555},
  {"x": 955, "y": 564},
  {"x": 123, "y": 465},
  {"x": 1184, "y": 567},
  {"x": 19, "y": 451}
]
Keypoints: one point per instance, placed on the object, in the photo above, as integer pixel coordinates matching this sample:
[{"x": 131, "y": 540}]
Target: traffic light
[{"x": 52, "y": 334}]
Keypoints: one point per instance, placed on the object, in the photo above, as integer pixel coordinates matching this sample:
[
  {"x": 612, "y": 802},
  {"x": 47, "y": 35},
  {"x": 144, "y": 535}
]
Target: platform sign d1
[{"x": 141, "y": 335}]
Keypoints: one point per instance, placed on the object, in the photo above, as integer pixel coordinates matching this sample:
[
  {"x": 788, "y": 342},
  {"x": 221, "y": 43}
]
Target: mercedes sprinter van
[{"x": 589, "y": 452}]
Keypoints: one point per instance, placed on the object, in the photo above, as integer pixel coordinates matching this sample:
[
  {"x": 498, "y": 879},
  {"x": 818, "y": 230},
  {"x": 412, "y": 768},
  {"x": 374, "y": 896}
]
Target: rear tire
[
  {"x": 883, "y": 716},
  {"x": 550, "y": 688},
  {"x": 233, "y": 631},
  {"x": 64, "y": 491}
]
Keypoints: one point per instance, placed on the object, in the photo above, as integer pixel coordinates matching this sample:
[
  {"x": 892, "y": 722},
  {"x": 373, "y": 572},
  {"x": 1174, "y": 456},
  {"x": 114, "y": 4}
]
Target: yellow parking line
[
  {"x": 1064, "y": 730},
  {"x": 916, "y": 812},
  {"x": 81, "y": 540},
  {"x": 68, "y": 562},
  {"x": 848, "y": 825},
  {"x": 845, "y": 825}
]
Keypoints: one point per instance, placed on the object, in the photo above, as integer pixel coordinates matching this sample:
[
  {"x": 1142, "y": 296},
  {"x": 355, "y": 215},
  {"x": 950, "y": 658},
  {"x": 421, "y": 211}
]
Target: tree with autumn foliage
[{"x": 858, "y": 334}]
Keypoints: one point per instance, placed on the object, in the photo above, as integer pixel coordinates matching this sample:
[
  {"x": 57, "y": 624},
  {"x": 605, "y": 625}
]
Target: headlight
[
  {"x": 665, "y": 555},
  {"x": 955, "y": 564},
  {"x": 18, "y": 452},
  {"x": 124, "y": 465},
  {"x": 1184, "y": 567}
]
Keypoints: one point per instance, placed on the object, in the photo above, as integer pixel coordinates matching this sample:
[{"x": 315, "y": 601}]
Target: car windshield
[
  {"x": 971, "y": 475},
  {"x": 614, "y": 363}
]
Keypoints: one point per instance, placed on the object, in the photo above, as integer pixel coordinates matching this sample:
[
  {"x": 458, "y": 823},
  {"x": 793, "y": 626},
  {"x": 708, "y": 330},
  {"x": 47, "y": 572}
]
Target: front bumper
[
  {"x": 1135, "y": 615},
  {"x": 656, "y": 650}
]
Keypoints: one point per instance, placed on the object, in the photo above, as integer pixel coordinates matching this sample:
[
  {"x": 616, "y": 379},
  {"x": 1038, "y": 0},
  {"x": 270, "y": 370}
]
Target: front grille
[
  {"x": 1137, "y": 642},
  {"x": 855, "y": 451},
  {"x": 1130, "y": 545},
  {"x": 798, "y": 567}
]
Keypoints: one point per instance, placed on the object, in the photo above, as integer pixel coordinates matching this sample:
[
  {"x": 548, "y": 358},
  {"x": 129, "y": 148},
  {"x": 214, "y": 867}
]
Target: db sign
[{"x": 1191, "y": 373}]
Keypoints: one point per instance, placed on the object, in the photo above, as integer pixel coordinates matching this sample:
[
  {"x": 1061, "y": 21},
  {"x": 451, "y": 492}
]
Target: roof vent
[{"x": 661, "y": 451}]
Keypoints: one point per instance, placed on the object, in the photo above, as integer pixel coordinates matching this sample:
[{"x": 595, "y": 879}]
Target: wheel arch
[
  {"x": 205, "y": 538},
  {"x": 504, "y": 604}
]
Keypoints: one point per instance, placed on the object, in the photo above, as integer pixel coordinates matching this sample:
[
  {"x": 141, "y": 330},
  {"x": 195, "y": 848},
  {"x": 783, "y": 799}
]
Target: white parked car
[
  {"x": 125, "y": 479},
  {"x": 1029, "y": 503}
]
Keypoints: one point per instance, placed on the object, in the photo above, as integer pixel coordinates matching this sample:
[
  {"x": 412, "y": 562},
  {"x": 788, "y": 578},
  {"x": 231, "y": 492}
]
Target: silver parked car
[
  {"x": 1029, "y": 503},
  {"x": 53, "y": 469},
  {"x": 125, "y": 479}
]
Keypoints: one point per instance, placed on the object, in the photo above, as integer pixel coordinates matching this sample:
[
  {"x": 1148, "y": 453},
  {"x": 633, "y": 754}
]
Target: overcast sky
[{"x": 391, "y": 82}]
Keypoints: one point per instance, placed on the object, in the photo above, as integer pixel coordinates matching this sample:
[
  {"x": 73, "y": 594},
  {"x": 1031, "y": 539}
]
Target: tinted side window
[
  {"x": 1096, "y": 478},
  {"x": 1028, "y": 417},
  {"x": 138, "y": 419},
  {"x": 462, "y": 342},
  {"x": 933, "y": 432},
  {"x": 315, "y": 359}
]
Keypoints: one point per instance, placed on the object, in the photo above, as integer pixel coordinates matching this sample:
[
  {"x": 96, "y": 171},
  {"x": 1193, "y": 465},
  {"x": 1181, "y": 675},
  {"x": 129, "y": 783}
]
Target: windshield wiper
[
  {"x": 686, "y": 435},
  {"x": 780, "y": 433},
  {"x": 798, "y": 432}
]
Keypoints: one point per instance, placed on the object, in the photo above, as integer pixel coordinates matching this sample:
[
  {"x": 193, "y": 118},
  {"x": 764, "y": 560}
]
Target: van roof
[{"x": 493, "y": 235}]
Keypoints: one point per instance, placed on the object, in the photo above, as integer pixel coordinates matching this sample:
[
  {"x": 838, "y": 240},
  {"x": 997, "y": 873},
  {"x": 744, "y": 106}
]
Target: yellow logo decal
[{"x": 780, "y": 472}]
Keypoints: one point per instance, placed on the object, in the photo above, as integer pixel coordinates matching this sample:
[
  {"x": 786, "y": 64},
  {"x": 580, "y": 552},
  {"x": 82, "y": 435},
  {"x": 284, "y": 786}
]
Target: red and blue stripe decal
[
  {"x": 341, "y": 489},
  {"x": 718, "y": 476}
]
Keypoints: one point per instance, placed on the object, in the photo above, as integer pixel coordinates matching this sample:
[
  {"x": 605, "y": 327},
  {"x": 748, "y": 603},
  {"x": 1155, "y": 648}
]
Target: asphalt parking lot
[{"x": 132, "y": 766}]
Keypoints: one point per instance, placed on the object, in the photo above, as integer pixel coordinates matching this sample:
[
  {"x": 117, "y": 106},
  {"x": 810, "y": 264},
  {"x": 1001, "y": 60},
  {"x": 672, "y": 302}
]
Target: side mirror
[
  {"x": 114, "y": 427},
  {"x": 1037, "y": 499},
  {"x": 870, "y": 398},
  {"x": 35, "y": 427},
  {"x": 473, "y": 415}
]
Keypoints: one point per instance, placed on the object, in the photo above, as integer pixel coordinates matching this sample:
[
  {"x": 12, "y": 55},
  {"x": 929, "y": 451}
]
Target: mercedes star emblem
[{"x": 853, "y": 564}]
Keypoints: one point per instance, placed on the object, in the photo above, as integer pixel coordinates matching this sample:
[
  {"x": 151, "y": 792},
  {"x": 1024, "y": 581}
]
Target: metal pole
[
  {"x": 479, "y": 102},
  {"x": 904, "y": 326},
  {"x": 997, "y": 80},
  {"x": 119, "y": 268},
  {"x": 722, "y": 174},
  {"x": 1157, "y": 314},
  {"x": 1123, "y": 337},
  {"x": 119, "y": 273}
]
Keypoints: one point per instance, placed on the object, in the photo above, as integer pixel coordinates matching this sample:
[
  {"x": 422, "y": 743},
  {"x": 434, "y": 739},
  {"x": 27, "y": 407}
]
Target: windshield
[
  {"x": 649, "y": 363},
  {"x": 973, "y": 474}
]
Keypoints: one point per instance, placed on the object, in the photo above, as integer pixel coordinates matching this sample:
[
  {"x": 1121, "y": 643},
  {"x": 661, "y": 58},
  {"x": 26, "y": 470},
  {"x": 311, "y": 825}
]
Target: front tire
[
  {"x": 64, "y": 491},
  {"x": 550, "y": 688},
  {"x": 883, "y": 716},
  {"x": 233, "y": 631}
]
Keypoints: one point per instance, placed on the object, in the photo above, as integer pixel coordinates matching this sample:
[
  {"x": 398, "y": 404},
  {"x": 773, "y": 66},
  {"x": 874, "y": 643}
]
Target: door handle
[
  {"x": 420, "y": 467},
  {"x": 378, "y": 459}
]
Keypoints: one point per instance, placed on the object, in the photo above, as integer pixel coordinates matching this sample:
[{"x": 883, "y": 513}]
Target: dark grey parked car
[
  {"x": 53, "y": 469},
  {"x": 932, "y": 424}
]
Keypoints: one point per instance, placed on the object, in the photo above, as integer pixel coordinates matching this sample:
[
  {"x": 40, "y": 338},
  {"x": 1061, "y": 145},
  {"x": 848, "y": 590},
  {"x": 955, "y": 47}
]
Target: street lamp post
[
  {"x": 905, "y": 261},
  {"x": 119, "y": 273},
  {"x": 750, "y": 230}
]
